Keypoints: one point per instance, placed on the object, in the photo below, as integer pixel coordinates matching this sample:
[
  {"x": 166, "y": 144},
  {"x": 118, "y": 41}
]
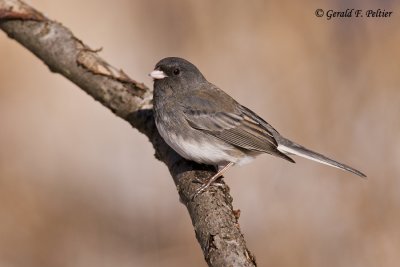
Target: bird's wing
[{"x": 227, "y": 120}]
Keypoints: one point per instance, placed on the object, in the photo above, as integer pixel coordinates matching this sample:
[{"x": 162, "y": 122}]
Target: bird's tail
[{"x": 288, "y": 147}]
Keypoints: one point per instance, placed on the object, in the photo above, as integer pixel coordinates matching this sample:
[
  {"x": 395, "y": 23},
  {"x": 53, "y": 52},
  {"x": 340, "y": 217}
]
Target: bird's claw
[{"x": 205, "y": 185}]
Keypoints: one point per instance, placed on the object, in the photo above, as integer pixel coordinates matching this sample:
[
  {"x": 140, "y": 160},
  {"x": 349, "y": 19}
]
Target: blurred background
[{"x": 80, "y": 187}]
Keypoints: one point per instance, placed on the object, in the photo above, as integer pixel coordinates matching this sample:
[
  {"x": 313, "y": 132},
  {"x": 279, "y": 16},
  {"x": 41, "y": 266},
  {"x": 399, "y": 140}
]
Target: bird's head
[{"x": 177, "y": 72}]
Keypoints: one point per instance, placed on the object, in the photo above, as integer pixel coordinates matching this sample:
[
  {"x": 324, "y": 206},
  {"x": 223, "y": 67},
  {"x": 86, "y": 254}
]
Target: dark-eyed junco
[{"x": 204, "y": 124}]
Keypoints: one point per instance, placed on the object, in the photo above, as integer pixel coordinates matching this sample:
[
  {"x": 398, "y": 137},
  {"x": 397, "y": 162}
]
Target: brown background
[{"x": 80, "y": 187}]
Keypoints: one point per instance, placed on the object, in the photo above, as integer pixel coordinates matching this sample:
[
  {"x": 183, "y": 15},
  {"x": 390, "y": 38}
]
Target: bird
[{"x": 204, "y": 124}]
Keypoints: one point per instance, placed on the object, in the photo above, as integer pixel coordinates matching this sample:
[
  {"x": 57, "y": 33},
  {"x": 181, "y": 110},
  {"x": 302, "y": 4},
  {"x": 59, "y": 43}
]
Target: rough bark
[{"x": 214, "y": 220}]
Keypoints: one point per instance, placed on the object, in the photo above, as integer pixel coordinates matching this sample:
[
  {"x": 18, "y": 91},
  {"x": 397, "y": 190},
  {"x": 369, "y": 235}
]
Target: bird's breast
[{"x": 193, "y": 144}]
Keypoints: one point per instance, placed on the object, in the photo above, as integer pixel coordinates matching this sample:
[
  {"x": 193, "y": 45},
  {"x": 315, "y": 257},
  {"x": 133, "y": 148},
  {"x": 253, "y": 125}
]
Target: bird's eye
[{"x": 177, "y": 71}]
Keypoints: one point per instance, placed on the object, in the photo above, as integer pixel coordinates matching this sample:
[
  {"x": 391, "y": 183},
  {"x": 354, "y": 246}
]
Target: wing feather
[{"x": 237, "y": 126}]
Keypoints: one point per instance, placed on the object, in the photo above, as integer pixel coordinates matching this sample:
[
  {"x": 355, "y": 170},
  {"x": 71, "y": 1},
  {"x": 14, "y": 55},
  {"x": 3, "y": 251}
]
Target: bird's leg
[
  {"x": 202, "y": 181},
  {"x": 206, "y": 184}
]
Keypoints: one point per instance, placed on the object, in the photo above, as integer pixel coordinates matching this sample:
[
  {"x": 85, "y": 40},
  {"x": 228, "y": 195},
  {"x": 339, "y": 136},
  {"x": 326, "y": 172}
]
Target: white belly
[{"x": 202, "y": 151}]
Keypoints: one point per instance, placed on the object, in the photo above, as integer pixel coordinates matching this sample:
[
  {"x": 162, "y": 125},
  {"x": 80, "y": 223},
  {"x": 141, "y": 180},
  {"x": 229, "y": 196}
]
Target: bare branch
[{"x": 214, "y": 220}]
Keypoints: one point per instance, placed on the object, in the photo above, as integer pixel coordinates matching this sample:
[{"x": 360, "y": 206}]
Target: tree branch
[{"x": 214, "y": 220}]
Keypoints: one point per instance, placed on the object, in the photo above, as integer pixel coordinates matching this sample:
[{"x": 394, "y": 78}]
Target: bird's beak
[{"x": 157, "y": 74}]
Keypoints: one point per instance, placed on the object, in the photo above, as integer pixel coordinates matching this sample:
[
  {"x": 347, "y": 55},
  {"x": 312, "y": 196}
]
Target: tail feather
[{"x": 289, "y": 147}]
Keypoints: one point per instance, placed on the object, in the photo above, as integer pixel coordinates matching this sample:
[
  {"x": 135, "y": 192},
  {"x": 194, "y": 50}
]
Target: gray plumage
[{"x": 204, "y": 124}]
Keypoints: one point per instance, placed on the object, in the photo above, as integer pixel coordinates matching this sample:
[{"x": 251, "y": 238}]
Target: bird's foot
[{"x": 206, "y": 184}]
